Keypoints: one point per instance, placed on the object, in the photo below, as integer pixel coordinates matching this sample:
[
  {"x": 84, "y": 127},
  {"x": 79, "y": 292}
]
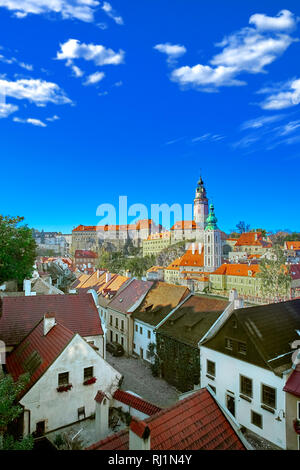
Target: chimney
[
  {"x": 49, "y": 322},
  {"x": 101, "y": 416},
  {"x": 193, "y": 248},
  {"x": 200, "y": 248},
  {"x": 27, "y": 287},
  {"x": 139, "y": 435},
  {"x": 107, "y": 276},
  {"x": 98, "y": 273}
]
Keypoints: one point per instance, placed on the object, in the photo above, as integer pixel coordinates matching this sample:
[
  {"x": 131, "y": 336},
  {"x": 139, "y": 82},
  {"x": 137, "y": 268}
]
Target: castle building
[
  {"x": 200, "y": 205},
  {"x": 212, "y": 242}
]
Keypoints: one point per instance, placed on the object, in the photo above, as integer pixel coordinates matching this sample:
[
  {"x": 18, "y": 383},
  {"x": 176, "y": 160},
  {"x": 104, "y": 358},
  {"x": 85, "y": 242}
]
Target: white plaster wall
[
  {"x": 228, "y": 371},
  {"x": 142, "y": 340},
  {"x": 60, "y": 408},
  {"x": 98, "y": 342}
]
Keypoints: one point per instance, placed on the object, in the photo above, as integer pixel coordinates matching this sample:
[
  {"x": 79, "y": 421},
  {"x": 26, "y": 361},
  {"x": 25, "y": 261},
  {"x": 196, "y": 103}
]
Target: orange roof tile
[
  {"x": 238, "y": 270},
  {"x": 190, "y": 259},
  {"x": 194, "y": 423},
  {"x": 184, "y": 224},
  {"x": 295, "y": 245},
  {"x": 174, "y": 265},
  {"x": 252, "y": 239}
]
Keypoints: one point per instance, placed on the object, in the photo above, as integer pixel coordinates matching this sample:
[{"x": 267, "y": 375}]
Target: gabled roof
[
  {"x": 293, "y": 383},
  {"x": 124, "y": 300},
  {"x": 37, "y": 352},
  {"x": 193, "y": 318},
  {"x": 195, "y": 259},
  {"x": 195, "y": 423},
  {"x": 185, "y": 225},
  {"x": 159, "y": 301},
  {"x": 136, "y": 402},
  {"x": 272, "y": 329},
  {"x": 238, "y": 270},
  {"x": 174, "y": 265},
  {"x": 76, "y": 312},
  {"x": 252, "y": 239}
]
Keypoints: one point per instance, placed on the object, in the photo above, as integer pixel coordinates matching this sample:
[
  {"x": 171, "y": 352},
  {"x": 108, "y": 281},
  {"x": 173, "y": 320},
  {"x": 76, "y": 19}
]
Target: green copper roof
[{"x": 211, "y": 220}]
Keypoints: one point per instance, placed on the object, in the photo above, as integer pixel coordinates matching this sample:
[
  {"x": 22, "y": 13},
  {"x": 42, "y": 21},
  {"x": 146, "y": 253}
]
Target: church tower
[
  {"x": 212, "y": 242},
  {"x": 200, "y": 205}
]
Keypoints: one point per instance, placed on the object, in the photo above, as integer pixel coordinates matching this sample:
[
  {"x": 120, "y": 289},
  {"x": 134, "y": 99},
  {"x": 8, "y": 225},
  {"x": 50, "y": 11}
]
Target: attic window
[
  {"x": 120, "y": 300},
  {"x": 242, "y": 348}
]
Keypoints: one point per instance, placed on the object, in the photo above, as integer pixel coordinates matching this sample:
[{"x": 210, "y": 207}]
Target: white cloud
[
  {"x": 247, "y": 50},
  {"x": 37, "y": 91},
  {"x": 261, "y": 121},
  {"x": 13, "y": 60},
  {"x": 250, "y": 51},
  {"x": 173, "y": 51},
  {"x": 34, "y": 122},
  {"x": 79, "y": 9},
  {"x": 94, "y": 78},
  {"x": 210, "y": 137},
  {"x": 204, "y": 75},
  {"x": 100, "y": 55},
  {"x": 53, "y": 118},
  {"x": 284, "y": 20},
  {"x": 286, "y": 97},
  {"x": 77, "y": 71},
  {"x": 289, "y": 127},
  {"x": 7, "y": 109},
  {"x": 112, "y": 13}
]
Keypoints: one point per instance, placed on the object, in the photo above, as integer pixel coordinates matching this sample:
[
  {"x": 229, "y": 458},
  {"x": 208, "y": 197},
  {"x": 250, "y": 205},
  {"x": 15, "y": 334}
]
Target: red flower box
[
  {"x": 297, "y": 426},
  {"x": 64, "y": 388},
  {"x": 90, "y": 381}
]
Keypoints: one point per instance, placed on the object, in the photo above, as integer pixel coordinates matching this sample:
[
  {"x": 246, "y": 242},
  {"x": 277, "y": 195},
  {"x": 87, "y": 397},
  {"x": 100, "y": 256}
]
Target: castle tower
[
  {"x": 200, "y": 205},
  {"x": 212, "y": 242}
]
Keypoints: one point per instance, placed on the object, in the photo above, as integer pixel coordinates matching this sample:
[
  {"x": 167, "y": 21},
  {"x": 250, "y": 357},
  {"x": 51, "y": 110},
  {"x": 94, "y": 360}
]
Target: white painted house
[
  {"x": 247, "y": 361},
  {"x": 65, "y": 373}
]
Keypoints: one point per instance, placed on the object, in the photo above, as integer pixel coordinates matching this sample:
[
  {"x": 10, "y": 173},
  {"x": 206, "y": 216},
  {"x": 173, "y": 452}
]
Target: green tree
[
  {"x": 139, "y": 265},
  {"x": 242, "y": 227},
  {"x": 10, "y": 410},
  {"x": 17, "y": 250},
  {"x": 274, "y": 275},
  {"x": 103, "y": 259}
]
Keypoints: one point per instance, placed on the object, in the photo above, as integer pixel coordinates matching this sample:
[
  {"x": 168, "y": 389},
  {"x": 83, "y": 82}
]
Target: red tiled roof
[
  {"x": 85, "y": 254},
  {"x": 129, "y": 295},
  {"x": 252, "y": 239},
  {"x": 295, "y": 271},
  {"x": 293, "y": 383},
  {"x": 43, "y": 350},
  {"x": 136, "y": 402},
  {"x": 295, "y": 245},
  {"x": 195, "y": 423},
  {"x": 238, "y": 270},
  {"x": 99, "y": 397},
  {"x": 76, "y": 312},
  {"x": 139, "y": 428},
  {"x": 184, "y": 224},
  {"x": 190, "y": 259},
  {"x": 139, "y": 225}
]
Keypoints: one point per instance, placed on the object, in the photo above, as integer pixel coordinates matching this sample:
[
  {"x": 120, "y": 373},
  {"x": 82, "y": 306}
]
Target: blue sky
[{"x": 102, "y": 99}]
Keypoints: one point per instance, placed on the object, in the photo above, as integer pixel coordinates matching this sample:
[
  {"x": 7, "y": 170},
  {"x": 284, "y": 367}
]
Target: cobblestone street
[{"x": 139, "y": 379}]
